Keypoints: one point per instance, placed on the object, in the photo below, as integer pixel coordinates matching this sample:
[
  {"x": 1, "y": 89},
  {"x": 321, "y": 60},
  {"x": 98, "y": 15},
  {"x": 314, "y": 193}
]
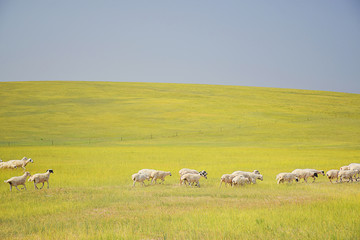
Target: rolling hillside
[{"x": 107, "y": 113}]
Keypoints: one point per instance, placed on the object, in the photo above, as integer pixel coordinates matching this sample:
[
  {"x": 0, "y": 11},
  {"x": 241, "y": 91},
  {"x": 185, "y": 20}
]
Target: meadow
[{"x": 95, "y": 135}]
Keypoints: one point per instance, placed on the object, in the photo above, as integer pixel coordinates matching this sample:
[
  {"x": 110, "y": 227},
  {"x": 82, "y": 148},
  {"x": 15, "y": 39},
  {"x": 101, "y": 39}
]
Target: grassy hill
[
  {"x": 105, "y": 113},
  {"x": 94, "y": 135}
]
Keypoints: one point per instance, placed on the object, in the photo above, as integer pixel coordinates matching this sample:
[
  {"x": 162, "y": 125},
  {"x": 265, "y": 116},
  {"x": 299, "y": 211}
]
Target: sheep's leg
[
  {"x": 16, "y": 188},
  {"x": 330, "y": 180},
  {"x": 24, "y": 187},
  {"x": 47, "y": 184},
  {"x": 305, "y": 180},
  {"x": 143, "y": 183},
  {"x": 10, "y": 187},
  {"x": 152, "y": 181},
  {"x": 35, "y": 185},
  {"x": 314, "y": 180},
  {"x": 221, "y": 183},
  {"x": 42, "y": 185},
  {"x": 134, "y": 184}
]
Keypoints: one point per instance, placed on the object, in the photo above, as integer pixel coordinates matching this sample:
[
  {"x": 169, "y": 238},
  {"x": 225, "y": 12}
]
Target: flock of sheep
[
  {"x": 192, "y": 177},
  {"x": 21, "y": 180},
  {"x": 240, "y": 178}
]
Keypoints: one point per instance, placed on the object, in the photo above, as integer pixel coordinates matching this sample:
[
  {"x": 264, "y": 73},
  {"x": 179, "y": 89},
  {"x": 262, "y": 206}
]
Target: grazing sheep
[
  {"x": 20, "y": 180},
  {"x": 347, "y": 174},
  {"x": 255, "y": 176},
  {"x": 159, "y": 175},
  {"x": 147, "y": 172},
  {"x": 227, "y": 179},
  {"x": 21, "y": 163},
  {"x": 240, "y": 180},
  {"x": 9, "y": 165},
  {"x": 316, "y": 171},
  {"x": 332, "y": 174},
  {"x": 41, "y": 178},
  {"x": 138, "y": 177},
  {"x": 192, "y": 171},
  {"x": 289, "y": 177},
  {"x": 305, "y": 174},
  {"x": 245, "y": 174},
  {"x": 192, "y": 178}
]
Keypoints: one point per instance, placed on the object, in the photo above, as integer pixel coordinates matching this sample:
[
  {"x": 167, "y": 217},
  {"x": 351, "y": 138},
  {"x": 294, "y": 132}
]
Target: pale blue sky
[{"x": 288, "y": 44}]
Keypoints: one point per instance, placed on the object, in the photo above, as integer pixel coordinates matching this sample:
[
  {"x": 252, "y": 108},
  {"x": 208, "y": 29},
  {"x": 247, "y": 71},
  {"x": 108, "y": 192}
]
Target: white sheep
[
  {"x": 159, "y": 175},
  {"x": 345, "y": 168},
  {"x": 227, "y": 179},
  {"x": 305, "y": 174},
  {"x": 192, "y": 178},
  {"x": 347, "y": 174},
  {"x": 138, "y": 177},
  {"x": 9, "y": 165},
  {"x": 355, "y": 166},
  {"x": 240, "y": 180},
  {"x": 255, "y": 176},
  {"x": 41, "y": 178},
  {"x": 289, "y": 177},
  {"x": 332, "y": 174},
  {"x": 245, "y": 174},
  {"x": 16, "y": 181},
  {"x": 192, "y": 171},
  {"x": 21, "y": 163},
  {"x": 147, "y": 172},
  {"x": 316, "y": 171}
]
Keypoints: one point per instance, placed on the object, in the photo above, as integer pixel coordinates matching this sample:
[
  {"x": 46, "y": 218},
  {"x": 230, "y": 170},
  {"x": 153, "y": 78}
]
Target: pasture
[{"x": 95, "y": 135}]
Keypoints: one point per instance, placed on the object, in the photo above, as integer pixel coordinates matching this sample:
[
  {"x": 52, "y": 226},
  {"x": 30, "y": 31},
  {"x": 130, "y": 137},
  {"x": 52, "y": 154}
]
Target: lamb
[
  {"x": 240, "y": 180},
  {"x": 5, "y": 165},
  {"x": 192, "y": 178},
  {"x": 138, "y": 177},
  {"x": 21, "y": 163},
  {"x": 159, "y": 175},
  {"x": 347, "y": 174},
  {"x": 255, "y": 176},
  {"x": 305, "y": 174},
  {"x": 20, "y": 180},
  {"x": 227, "y": 179},
  {"x": 289, "y": 177},
  {"x": 41, "y": 178},
  {"x": 147, "y": 172},
  {"x": 192, "y": 171},
  {"x": 332, "y": 174},
  {"x": 316, "y": 171}
]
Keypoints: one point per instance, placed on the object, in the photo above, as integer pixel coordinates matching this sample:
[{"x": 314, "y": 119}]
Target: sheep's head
[
  {"x": 256, "y": 172},
  {"x": 296, "y": 179},
  {"x": 203, "y": 173},
  {"x": 315, "y": 175},
  {"x": 50, "y": 171},
  {"x": 260, "y": 177},
  {"x": 170, "y": 174},
  {"x": 30, "y": 160},
  {"x": 27, "y": 174}
]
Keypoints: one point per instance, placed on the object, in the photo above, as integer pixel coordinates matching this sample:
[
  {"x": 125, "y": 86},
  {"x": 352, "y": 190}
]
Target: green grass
[{"x": 95, "y": 135}]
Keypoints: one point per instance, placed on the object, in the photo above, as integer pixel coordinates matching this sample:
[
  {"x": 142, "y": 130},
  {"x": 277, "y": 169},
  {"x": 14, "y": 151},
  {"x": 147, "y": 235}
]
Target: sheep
[
  {"x": 289, "y": 177},
  {"x": 316, "y": 171},
  {"x": 41, "y": 178},
  {"x": 345, "y": 168},
  {"x": 227, "y": 179},
  {"x": 355, "y": 166},
  {"x": 20, "y": 180},
  {"x": 255, "y": 171},
  {"x": 332, "y": 174},
  {"x": 192, "y": 178},
  {"x": 192, "y": 171},
  {"x": 138, "y": 177},
  {"x": 305, "y": 174},
  {"x": 159, "y": 175},
  {"x": 5, "y": 165},
  {"x": 255, "y": 176},
  {"x": 347, "y": 174},
  {"x": 240, "y": 180},
  {"x": 21, "y": 163},
  {"x": 147, "y": 172},
  {"x": 245, "y": 174}
]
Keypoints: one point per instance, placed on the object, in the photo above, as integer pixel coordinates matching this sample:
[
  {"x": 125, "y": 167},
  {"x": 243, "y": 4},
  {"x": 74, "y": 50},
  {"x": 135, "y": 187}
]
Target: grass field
[{"x": 95, "y": 135}]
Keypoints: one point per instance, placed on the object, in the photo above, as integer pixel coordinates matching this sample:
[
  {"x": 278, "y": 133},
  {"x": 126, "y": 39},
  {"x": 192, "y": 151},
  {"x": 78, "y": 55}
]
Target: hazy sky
[{"x": 288, "y": 44}]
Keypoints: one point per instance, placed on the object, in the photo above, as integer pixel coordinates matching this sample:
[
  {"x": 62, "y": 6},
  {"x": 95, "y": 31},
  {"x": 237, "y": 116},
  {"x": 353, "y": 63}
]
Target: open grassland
[{"x": 95, "y": 135}]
